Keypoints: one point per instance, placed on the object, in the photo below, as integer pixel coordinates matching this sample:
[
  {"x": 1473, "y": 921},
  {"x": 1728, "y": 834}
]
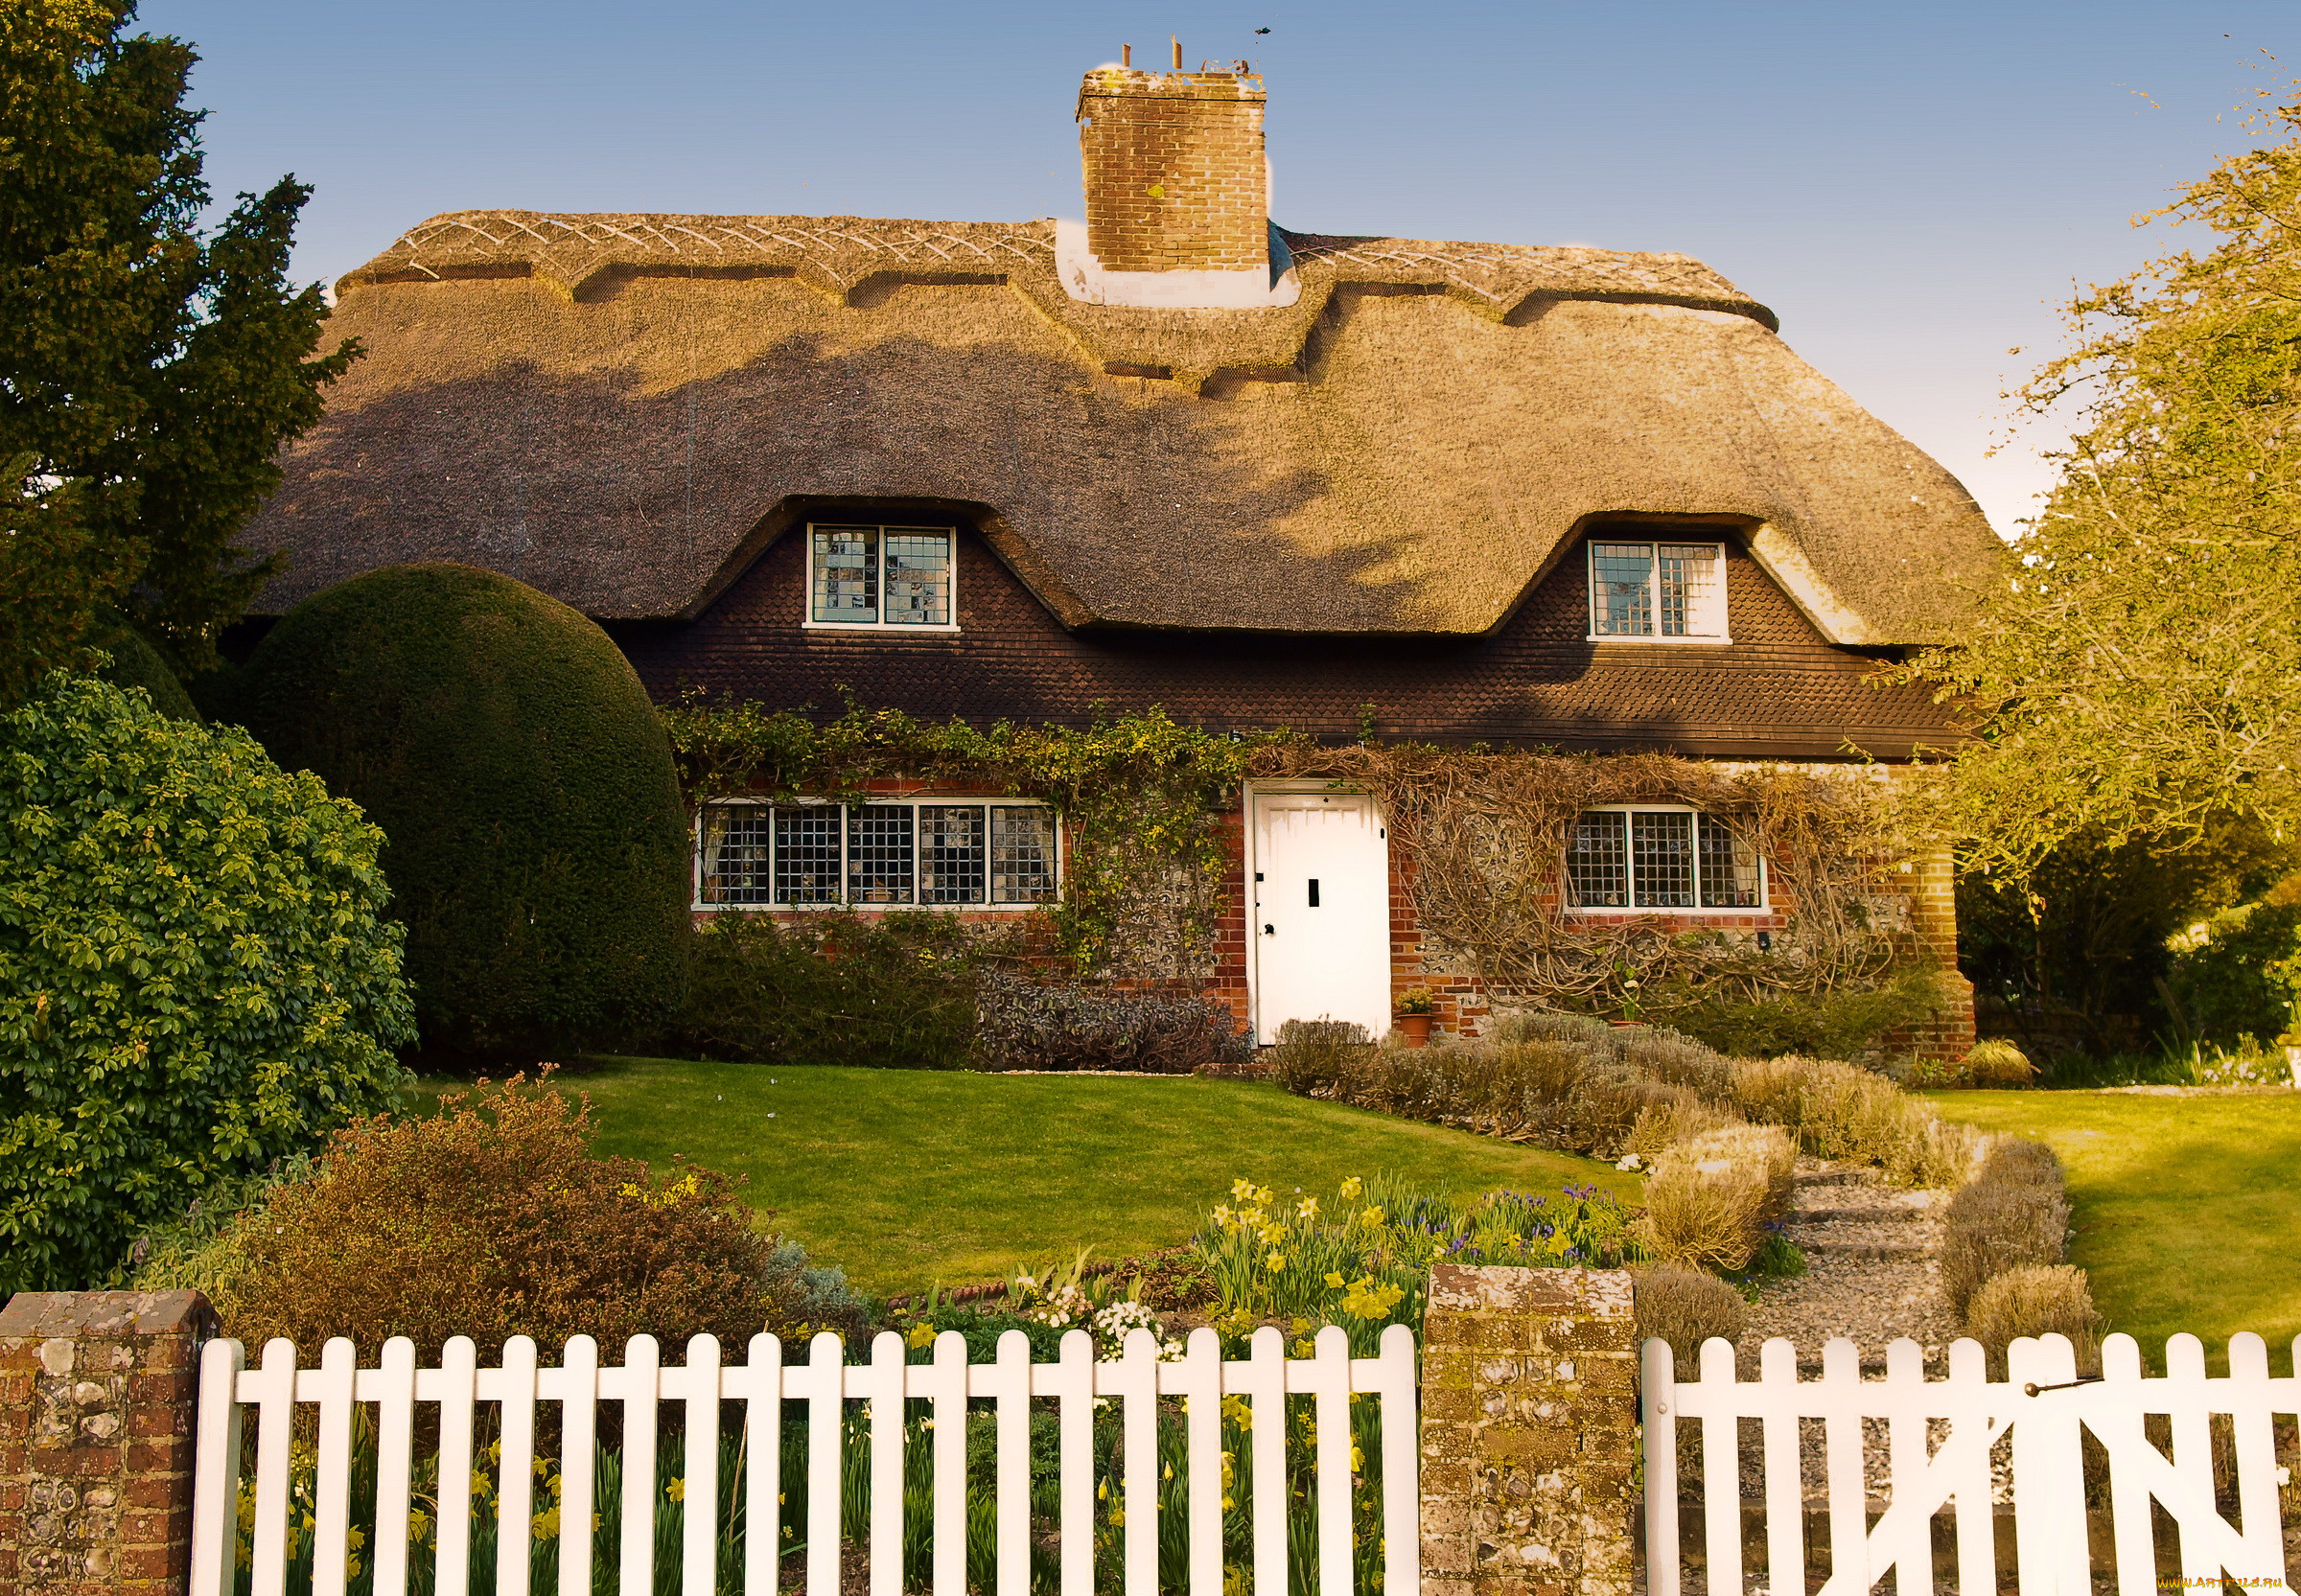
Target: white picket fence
[
  {"x": 2043, "y": 1404},
  {"x": 1138, "y": 1380}
]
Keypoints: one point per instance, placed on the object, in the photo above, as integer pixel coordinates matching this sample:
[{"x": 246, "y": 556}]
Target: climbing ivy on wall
[{"x": 1142, "y": 801}]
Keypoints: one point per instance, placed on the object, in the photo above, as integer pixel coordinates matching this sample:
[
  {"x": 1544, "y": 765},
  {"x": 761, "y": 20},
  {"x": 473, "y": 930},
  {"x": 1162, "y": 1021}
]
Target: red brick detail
[
  {"x": 1172, "y": 164},
  {"x": 1947, "y": 1034},
  {"x": 98, "y": 1401}
]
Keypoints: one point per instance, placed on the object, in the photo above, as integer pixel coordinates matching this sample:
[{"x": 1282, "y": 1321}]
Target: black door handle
[{"x": 1270, "y": 931}]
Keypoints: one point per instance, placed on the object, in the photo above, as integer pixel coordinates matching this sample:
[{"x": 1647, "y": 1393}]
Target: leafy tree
[
  {"x": 2140, "y": 675},
  {"x": 196, "y": 973},
  {"x": 154, "y": 369}
]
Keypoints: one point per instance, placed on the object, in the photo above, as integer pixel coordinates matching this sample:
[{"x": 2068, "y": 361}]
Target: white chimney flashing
[{"x": 1084, "y": 280}]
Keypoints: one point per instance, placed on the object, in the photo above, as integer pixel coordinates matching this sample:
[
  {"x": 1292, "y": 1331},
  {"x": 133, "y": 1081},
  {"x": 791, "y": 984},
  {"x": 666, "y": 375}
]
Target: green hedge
[
  {"x": 196, "y": 976},
  {"x": 136, "y": 664},
  {"x": 537, "y": 843}
]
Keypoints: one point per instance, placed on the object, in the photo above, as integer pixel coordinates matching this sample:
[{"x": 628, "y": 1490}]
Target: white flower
[{"x": 1630, "y": 1161}]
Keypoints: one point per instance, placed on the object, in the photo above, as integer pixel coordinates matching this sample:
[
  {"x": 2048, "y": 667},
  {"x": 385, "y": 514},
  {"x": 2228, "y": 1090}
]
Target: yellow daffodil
[
  {"x": 1352, "y": 1188},
  {"x": 1276, "y": 1261}
]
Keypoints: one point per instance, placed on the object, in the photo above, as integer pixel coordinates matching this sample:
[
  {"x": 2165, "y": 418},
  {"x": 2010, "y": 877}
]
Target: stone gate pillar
[
  {"x": 98, "y": 1393},
  {"x": 1529, "y": 1432}
]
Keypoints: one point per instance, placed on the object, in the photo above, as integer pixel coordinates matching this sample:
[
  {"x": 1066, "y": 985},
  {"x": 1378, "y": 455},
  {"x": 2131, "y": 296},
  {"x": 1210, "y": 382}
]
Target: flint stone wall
[
  {"x": 1529, "y": 1432},
  {"x": 98, "y": 1393}
]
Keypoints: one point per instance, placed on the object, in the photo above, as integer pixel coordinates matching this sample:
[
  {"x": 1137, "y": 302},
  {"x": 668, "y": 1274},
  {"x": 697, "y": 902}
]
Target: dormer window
[
  {"x": 1658, "y": 590},
  {"x": 886, "y": 578}
]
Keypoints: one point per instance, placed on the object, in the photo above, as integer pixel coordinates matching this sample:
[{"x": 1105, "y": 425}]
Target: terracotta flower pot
[{"x": 1415, "y": 1028}]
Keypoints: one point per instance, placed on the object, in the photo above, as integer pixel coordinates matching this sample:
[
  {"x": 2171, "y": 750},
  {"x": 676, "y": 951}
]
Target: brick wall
[
  {"x": 1947, "y": 1034},
  {"x": 98, "y": 1390},
  {"x": 1174, "y": 170}
]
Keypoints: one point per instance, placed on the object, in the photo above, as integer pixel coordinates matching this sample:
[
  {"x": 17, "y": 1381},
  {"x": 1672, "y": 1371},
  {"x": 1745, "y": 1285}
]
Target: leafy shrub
[
  {"x": 1994, "y": 1226},
  {"x": 1583, "y": 1030},
  {"x": 2037, "y": 1299},
  {"x": 1026, "y": 1025},
  {"x": 1685, "y": 1307},
  {"x": 196, "y": 974},
  {"x": 1998, "y": 1063},
  {"x": 2238, "y": 975},
  {"x": 892, "y": 993},
  {"x": 493, "y": 1218},
  {"x": 1831, "y": 1024},
  {"x": 1680, "y": 1116},
  {"x": 538, "y": 847},
  {"x": 1678, "y": 1060}
]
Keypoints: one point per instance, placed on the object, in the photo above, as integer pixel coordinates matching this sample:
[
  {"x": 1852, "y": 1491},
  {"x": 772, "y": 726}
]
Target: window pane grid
[
  {"x": 1621, "y": 603},
  {"x": 844, "y": 582},
  {"x": 808, "y": 854},
  {"x": 1661, "y": 859},
  {"x": 879, "y": 854},
  {"x": 1597, "y": 862},
  {"x": 918, "y": 578},
  {"x": 1022, "y": 855},
  {"x": 950, "y": 853},
  {"x": 1687, "y": 577},
  {"x": 736, "y": 850},
  {"x": 1729, "y": 878},
  {"x": 946, "y": 854}
]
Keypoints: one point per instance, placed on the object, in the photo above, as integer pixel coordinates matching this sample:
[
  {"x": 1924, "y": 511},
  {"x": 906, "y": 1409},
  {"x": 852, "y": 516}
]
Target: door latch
[{"x": 1270, "y": 931}]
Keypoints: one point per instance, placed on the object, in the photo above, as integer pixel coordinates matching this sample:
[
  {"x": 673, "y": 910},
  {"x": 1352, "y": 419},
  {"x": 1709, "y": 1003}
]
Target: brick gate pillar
[
  {"x": 97, "y": 1394},
  {"x": 1529, "y": 1432}
]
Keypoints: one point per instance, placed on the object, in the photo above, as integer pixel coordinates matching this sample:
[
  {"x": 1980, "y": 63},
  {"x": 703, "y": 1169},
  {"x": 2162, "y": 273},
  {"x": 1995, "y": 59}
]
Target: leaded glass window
[
  {"x": 943, "y": 853},
  {"x": 808, "y": 854},
  {"x": 880, "y": 576},
  {"x": 845, "y": 580},
  {"x": 1730, "y": 872},
  {"x": 951, "y": 857},
  {"x": 1662, "y": 858},
  {"x": 1597, "y": 861},
  {"x": 880, "y": 844},
  {"x": 1640, "y": 589},
  {"x": 737, "y": 846},
  {"x": 1022, "y": 854}
]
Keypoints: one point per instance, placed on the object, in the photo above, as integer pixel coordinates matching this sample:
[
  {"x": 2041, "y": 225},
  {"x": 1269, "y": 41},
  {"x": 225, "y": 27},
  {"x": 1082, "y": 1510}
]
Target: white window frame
[
  {"x": 914, "y": 802},
  {"x": 806, "y": 589},
  {"x": 1763, "y": 905},
  {"x": 1714, "y": 612}
]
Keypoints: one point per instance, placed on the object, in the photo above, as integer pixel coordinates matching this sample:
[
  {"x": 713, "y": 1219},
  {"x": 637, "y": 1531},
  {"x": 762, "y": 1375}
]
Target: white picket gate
[
  {"x": 1138, "y": 1380},
  {"x": 2043, "y": 1403}
]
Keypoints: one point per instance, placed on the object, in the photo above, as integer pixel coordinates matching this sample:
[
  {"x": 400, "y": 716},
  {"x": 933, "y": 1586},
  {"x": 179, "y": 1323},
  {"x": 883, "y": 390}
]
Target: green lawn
[
  {"x": 2188, "y": 1209},
  {"x": 909, "y": 1176}
]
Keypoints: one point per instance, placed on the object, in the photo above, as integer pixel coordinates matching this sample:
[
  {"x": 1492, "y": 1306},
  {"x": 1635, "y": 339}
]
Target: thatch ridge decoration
[
  {"x": 587, "y": 256},
  {"x": 624, "y": 409}
]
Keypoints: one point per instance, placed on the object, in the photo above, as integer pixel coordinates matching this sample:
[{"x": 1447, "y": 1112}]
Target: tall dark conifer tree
[{"x": 148, "y": 370}]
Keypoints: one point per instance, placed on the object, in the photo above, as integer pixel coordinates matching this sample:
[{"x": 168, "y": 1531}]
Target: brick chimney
[{"x": 1175, "y": 179}]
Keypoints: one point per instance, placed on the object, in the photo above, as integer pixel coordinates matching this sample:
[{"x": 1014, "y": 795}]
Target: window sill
[
  {"x": 1668, "y": 913},
  {"x": 879, "y": 629},
  {"x": 869, "y": 907},
  {"x": 1671, "y": 642}
]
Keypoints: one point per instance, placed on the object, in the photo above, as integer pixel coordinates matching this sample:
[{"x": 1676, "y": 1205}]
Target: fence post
[
  {"x": 98, "y": 1398},
  {"x": 1529, "y": 1432}
]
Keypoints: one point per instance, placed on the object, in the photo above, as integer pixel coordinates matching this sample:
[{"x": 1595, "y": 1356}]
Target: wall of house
[{"x": 1778, "y": 692}]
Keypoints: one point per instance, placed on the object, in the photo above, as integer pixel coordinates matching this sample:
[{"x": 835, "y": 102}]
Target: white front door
[{"x": 1321, "y": 925}]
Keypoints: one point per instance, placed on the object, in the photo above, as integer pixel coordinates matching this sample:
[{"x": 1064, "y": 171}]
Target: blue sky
[{"x": 1911, "y": 187}]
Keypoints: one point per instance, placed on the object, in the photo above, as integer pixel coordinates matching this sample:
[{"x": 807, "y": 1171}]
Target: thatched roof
[{"x": 626, "y": 409}]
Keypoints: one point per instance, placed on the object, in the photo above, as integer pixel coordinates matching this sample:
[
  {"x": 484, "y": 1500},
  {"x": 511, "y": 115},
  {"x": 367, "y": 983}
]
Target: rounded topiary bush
[
  {"x": 196, "y": 973},
  {"x": 536, "y": 842},
  {"x": 136, "y": 664}
]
